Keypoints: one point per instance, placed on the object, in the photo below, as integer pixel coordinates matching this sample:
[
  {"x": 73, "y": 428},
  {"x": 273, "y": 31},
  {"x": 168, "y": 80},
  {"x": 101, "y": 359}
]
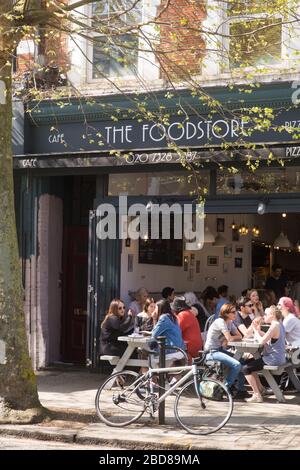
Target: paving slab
[{"x": 70, "y": 396}]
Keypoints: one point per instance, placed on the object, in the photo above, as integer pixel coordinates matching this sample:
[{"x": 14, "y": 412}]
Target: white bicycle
[{"x": 203, "y": 404}]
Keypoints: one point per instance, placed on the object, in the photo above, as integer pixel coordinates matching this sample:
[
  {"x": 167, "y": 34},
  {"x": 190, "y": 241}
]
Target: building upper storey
[{"x": 112, "y": 46}]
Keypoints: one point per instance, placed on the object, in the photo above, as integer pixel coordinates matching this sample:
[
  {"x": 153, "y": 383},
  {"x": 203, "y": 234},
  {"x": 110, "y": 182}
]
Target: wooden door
[{"x": 75, "y": 293}]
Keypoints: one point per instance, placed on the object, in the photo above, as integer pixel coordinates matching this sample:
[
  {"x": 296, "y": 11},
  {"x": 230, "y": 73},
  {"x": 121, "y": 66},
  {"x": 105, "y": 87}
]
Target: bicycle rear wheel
[
  {"x": 204, "y": 413},
  {"x": 119, "y": 401}
]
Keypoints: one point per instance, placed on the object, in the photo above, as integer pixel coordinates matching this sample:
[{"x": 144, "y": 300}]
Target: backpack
[{"x": 211, "y": 390}]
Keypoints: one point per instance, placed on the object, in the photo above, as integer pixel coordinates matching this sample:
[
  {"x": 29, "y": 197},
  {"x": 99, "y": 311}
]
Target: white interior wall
[{"x": 155, "y": 277}]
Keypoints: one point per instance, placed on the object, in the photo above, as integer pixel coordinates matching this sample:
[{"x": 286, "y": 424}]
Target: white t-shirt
[
  {"x": 215, "y": 334},
  {"x": 292, "y": 329}
]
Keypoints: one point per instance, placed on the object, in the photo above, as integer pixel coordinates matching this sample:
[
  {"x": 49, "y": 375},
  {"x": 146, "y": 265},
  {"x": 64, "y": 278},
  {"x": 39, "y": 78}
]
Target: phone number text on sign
[{"x": 160, "y": 157}]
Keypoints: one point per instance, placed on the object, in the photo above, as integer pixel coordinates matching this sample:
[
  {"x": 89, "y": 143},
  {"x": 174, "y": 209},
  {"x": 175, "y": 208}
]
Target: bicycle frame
[{"x": 193, "y": 371}]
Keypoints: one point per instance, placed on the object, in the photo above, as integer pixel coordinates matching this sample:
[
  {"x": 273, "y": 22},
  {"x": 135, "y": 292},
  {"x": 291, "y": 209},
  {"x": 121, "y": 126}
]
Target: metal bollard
[{"x": 161, "y": 340}]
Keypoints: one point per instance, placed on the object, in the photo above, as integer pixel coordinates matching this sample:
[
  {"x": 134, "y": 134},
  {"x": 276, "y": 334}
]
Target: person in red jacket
[{"x": 189, "y": 326}]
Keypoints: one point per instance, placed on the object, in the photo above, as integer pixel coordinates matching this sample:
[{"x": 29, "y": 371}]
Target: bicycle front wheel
[
  {"x": 206, "y": 412},
  {"x": 119, "y": 400}
]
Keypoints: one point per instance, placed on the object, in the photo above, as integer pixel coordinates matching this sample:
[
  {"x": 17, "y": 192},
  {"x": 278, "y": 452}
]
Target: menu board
[{"x": 164, "y": 252}]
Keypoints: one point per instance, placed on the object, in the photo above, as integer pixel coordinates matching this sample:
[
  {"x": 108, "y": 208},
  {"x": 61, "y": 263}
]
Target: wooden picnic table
[
  {"x": 134, "y": 341},
  {"x": 255, "y": 348},
  {"x": 121, "y": 362}
]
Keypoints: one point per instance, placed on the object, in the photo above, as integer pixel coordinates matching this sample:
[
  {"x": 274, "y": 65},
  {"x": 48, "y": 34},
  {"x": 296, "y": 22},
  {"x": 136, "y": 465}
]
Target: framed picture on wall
[
  {"x": 220, "y": 225},
  {"x": 225, "y": 268},
  {"x": 228, "y": 251},
  {"x": 191, "y": 274},
  {"x": 130, "y": 264},
  {"x": 238, "y": 262},
  {"x": 198, "y": 266},
  {"x": 192, "y": 259},
  {"x": 239, "y": 249},
  {"x": 185, "y": 263},
  {"x": 235, "y": 235},
  {"x": 212, "y": 261}
]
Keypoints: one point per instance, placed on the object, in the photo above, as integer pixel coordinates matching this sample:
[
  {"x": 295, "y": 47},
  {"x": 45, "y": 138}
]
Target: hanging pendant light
[
  {"x": 208, "y": 235},
  {"x": 282, "y": 241},
  {"x": 243, "y": 229},
  {"x": 255, "y": 231},
  {"x": 219, "y": 240}
]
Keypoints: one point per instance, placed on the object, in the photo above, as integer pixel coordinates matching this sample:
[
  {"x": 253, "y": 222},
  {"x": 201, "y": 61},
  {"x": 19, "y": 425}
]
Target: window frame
[
  {"x": 228, "y": 20},
  {"x": 90, "y": 53}
]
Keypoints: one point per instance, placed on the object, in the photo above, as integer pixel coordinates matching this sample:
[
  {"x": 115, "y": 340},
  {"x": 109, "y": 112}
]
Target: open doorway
[{"x": 79, "y": 196}]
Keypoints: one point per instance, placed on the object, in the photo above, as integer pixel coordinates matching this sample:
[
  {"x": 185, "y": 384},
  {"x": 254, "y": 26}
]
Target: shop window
[
  {"x": 256, "y": 32},
  {"x": 114, "y": 50},
  {"x": 175, "y": 183},
  {"x": 263, "y": 180}
]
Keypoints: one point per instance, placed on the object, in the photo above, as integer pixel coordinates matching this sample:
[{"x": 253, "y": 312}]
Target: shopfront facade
[{"x": 69, "y": 275}]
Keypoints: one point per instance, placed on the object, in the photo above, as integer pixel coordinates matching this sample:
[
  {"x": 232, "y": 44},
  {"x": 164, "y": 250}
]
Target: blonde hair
[
  {"x": 191, "y": 298},
  {"x": 139, "y": 293},
  {"x": 275, "y": 311}
]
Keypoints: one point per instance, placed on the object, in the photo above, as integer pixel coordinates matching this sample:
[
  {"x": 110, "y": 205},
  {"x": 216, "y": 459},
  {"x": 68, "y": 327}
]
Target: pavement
[{"x": 70, "y": 394}]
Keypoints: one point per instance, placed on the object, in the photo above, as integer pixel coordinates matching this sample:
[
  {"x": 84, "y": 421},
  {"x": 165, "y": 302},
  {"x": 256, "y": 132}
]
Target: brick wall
[
  {"x": 181, "y": 46},
  {"x": 50, "y": 49}
]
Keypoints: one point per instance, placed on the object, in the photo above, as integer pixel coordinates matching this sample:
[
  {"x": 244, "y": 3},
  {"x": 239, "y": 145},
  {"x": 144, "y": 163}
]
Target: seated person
[
  {"x": 137, "y": 305},
  {"x": 189, "y": 326},
  {"x": 206, "y": 308},
  {"x": 115, "y": 323},
  {"x": 144, "y": 319},
  {"x": 257, "y": 308},
  {"x": 168, "y": 293},
  {"x": 273, "y": 354},
  {"x": 242, "y": 320},
  {"x": 167, "y": 325},
  {"x": 290, "y": 321},
  {"x": 220, "y": 332},
  {"x": 223, "y": 299},
  {"x": 269, "y": 298}
]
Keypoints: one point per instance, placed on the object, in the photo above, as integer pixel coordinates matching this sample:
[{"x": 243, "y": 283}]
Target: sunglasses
[
  {"x": 249, "y": 305},
  {"x": 121, "y": 308}
]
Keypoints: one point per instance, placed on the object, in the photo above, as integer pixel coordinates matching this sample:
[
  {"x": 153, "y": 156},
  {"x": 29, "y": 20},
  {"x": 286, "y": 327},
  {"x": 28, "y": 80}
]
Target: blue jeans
[{"x": 225, "y": 357}]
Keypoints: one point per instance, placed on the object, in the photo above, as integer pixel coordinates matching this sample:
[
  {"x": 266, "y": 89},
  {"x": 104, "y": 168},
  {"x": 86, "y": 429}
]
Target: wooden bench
[
  {"x": 119, "y": 364},
  {"x": 294, "y": 356},
  {"x": 278, "y": 370},
  {"x": 269, "y": 371},
  {"x": 113, "y": 360}
]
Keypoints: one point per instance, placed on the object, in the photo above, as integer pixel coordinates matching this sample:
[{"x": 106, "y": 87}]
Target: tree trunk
[{"x": 18, "y": 390}]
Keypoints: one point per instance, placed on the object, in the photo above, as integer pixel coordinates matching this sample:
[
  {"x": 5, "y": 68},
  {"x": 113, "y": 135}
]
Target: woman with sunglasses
[
  {"x": 115, "y": 324},
  {"x": 219, "y": 334}
]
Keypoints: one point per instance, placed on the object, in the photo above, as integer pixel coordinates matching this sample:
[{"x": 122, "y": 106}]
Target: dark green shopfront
[{"x": 77, "y": 155}]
